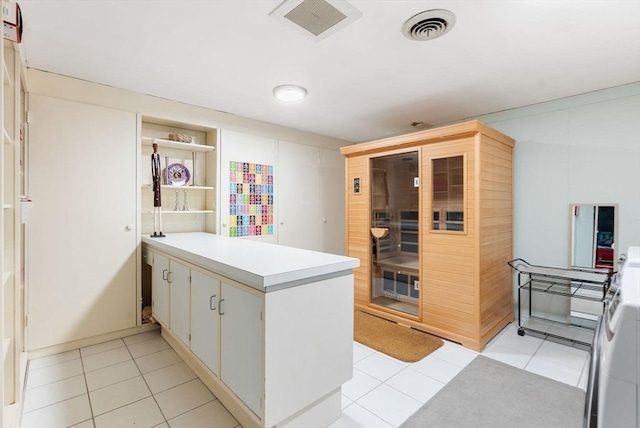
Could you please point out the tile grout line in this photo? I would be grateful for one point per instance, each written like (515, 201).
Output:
(164, 367)
(120, 362)
(154, 394)
(86, 385)
(402, 392)
(56, 363)
(368, 411)
(56, 402)
(81, 358)
(54, 381)
(145, 382)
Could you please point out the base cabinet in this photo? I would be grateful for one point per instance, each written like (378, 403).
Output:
(219, 322)
(171, 295)
(227, 335)
(242, 344)
(205, 319)
(179, 301)
(160, 289)
(270, 357)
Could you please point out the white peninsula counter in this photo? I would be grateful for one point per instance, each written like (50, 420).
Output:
(268, 328)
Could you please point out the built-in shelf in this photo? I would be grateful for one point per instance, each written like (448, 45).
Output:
(7, 206)
(168, 186)
(176, 145)
(184, 212)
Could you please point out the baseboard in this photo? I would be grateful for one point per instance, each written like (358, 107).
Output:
(94, 340)
(10, 415)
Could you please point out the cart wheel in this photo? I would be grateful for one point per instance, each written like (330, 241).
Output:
(520, 332)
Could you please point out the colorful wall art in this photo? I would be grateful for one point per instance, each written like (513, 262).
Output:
(250, 199)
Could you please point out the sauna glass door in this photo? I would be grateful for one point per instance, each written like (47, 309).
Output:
(395, 282)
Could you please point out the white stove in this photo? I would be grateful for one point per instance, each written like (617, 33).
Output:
(613, 396)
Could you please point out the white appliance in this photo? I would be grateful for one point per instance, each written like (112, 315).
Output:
(613, 396)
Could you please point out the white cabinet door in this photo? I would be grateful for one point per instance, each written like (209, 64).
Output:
(332, 166)
(242, 366)
(299, 200)
(180, 300)
(205, 320)
(82, 236)
(160, 289)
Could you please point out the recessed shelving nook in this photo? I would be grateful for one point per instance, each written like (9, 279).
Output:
(188, 204)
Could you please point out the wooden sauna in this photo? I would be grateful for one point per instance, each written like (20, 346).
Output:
(430, 216)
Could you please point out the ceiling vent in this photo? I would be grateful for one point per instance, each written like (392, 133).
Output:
(429, 25)
(316, 18)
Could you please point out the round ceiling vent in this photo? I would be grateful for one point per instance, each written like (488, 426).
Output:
(429, 25)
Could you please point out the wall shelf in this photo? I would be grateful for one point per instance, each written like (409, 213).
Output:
(168, 186)
(183, 212)
(176, 145)
(198, 159)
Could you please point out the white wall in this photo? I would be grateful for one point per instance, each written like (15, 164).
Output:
(583, 149)
(58, 86)
(236, 146)
(260, 146)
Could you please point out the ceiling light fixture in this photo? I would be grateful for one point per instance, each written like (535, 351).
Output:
(289, 93)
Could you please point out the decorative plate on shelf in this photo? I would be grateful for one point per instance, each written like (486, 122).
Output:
(178, 174)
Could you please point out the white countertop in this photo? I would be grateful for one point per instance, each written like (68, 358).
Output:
(266, 267)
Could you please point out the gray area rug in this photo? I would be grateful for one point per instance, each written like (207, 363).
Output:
(491, 394)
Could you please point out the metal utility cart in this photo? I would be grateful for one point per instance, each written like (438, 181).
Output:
(578, 283)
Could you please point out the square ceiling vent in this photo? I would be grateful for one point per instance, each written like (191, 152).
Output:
(317, 19)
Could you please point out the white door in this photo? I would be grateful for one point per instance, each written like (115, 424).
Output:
(300, 210)
(241, 345)
(205, 335)
(332, 165)
(160, 289)
(180, 300)
(82, 236)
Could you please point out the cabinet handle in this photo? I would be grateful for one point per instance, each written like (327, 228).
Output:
(211, 303)
(220, 306)
(164, 274)
(169, 277)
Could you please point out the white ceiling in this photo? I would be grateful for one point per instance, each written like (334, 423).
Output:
(366, 81)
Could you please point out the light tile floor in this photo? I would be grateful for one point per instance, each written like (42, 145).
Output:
(136, 381)
(140, 381)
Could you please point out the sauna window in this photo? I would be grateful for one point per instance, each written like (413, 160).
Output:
(394, 196)
(447, 194)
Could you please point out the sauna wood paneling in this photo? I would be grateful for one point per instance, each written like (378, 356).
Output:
(465, 286)
(496, 234)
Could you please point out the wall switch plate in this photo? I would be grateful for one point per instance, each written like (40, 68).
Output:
(416, 285)
(416, 181)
